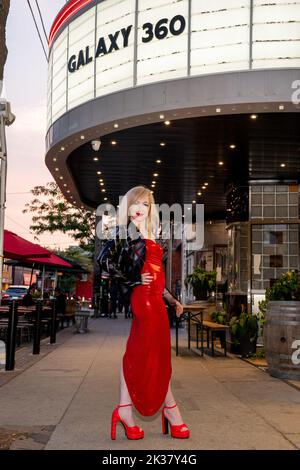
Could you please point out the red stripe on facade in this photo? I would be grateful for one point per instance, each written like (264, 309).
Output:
(64, 15)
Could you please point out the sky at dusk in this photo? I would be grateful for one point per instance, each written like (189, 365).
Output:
(25, 87)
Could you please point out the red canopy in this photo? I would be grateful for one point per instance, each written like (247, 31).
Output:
(53, 260)
(18, 248)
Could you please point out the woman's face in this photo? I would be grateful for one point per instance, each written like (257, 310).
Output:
(139, 210)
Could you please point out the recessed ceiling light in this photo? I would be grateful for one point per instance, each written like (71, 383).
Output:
(103, 190)
(153, 182)
(167, 123)
(105, 199)
(253, 116)
(205, 184)
(113, 142)
(82, 137)
(62, 148)
(101, 184)
(221, 163)
(282, 165)
(218, 110)
(158, 161)
(161, 116)
(194, 202)
(95, 159)
(54, 159)
(189, 208)
(162, 144)
(100, 179)
(99, 173)
(116, 125)
(68, 191)
(56, 169)
(151, 192)
(203, 187)
(232, 146)
(281, 107)
(155, 174)
(199, 193)
(65, 185)
(61, 177)
(71, 197)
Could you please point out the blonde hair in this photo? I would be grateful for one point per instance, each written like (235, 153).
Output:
(135, 193)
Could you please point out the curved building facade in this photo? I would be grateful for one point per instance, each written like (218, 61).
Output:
(124, 63)
(196, 99)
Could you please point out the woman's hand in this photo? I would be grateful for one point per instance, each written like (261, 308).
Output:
(147, 278)
(179, 309)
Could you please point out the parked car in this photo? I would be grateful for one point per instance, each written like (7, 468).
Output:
(14, 293)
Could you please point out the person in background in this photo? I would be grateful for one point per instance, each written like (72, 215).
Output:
(60, 304)
(178, 288)
(46, 299)
(113, 291)
(27, 300)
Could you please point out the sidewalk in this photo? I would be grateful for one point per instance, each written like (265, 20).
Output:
(65, 400)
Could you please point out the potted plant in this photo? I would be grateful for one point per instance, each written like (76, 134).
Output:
(202, 282)
(282, 325)
(244, 332)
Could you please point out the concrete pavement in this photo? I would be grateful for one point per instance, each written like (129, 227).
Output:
(65, 400)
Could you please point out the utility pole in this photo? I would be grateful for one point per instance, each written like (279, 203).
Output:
(6, 119)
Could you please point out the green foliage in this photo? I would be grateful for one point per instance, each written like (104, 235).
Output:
(258, 355)
(78, 255)
(285, 288)
(74, 254)
(202, 282)
(53, 213)
(218, 317)
(246, 325)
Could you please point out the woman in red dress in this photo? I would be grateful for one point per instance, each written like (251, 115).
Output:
(146, 366)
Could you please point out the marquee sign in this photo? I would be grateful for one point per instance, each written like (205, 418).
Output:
(119, 39)
(110, 46)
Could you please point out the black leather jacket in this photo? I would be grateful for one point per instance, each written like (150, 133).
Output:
(123, 258)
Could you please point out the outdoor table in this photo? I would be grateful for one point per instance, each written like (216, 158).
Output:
(82, 318)
(190, 312)
(211, 327)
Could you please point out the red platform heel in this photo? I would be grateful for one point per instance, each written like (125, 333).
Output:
(132, 432)
(176, 429)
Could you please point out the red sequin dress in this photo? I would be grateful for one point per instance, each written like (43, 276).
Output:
(147, 360)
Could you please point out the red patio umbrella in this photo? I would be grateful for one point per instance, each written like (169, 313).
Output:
(16, 247)
(52, 260)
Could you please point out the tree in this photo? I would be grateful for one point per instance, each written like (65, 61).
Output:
(4, 9)
(74, 254)
(78, 255)
(52, 213)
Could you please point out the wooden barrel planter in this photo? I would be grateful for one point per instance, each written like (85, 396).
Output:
(281, 331)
